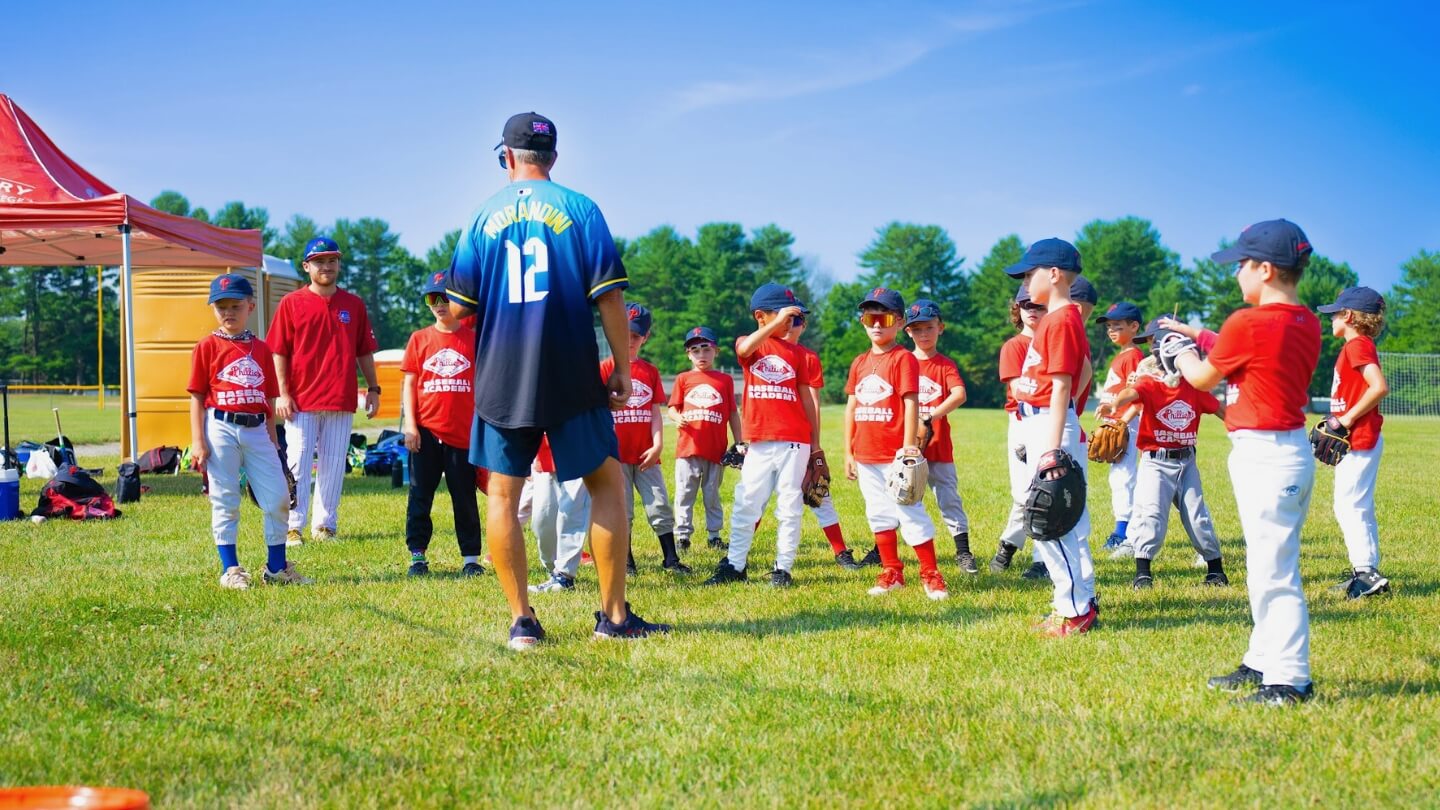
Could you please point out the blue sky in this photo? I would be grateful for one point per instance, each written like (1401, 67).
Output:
(829, 119)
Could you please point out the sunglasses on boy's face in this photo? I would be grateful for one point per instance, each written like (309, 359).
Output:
(798, 320)
(883, 320)
(433, 299)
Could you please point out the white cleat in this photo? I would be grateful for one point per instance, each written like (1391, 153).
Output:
(235, 578)
(287, 576)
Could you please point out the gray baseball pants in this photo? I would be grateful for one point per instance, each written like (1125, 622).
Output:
(1159, 483)
(695, 477)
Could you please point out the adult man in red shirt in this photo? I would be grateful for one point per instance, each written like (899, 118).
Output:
(320, 332)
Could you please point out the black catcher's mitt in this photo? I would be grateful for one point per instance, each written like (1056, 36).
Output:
(1056, 499)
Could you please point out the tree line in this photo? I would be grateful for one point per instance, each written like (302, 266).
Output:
(47, 314)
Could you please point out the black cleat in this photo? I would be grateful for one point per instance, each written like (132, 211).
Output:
(419, 567)
(471, 570)
(967, 563)
(780, 578)
(1366, 583)
(1143, 582)
(872, 557)
(1216, 579)
(846, 560)
(1279, 695)
(1037, 570)
(717, 544)
(724, 573)
(677, 567)
(1001, 562)
(1242, 678)
(632, 627)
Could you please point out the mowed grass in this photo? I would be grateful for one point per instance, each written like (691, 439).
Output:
(124, 663)
(31, 418)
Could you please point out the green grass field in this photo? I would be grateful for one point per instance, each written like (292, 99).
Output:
(32, 419)
(124, 663)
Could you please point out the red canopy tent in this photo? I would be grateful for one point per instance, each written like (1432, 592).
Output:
(53, 212)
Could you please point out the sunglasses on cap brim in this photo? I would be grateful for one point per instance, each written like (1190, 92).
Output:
(884, 320)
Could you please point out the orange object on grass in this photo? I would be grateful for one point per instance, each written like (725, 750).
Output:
(73, 798)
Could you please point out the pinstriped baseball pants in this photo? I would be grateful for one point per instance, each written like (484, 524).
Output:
(325, 436)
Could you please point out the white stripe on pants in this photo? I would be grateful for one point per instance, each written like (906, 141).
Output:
(1159, 484)
(1355, 504)
(945, 486)
(650, 483)
(1122, 477)
(233, 448)
(1068, 560)
(777, 467)
(1273, 473)
(694, 477)
(324, 435)
(560, 519)
(884, 514)
(1014, 533)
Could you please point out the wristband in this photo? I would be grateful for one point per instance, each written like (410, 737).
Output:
(374, 389)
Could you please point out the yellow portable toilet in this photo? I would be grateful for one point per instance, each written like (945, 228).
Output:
(280, 279)
(391, 378)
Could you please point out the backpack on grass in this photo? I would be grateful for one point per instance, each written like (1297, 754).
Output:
(73, 494)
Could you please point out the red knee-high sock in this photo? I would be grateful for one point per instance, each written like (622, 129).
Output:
(889, 546)
(837, 540)
(926, 552)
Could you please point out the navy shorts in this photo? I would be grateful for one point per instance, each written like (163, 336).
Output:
(580, 445)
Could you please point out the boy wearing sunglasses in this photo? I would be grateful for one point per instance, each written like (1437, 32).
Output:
(702, 403)
(882, 420)
(438, 399)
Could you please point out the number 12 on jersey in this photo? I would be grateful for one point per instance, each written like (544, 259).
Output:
(522, 281)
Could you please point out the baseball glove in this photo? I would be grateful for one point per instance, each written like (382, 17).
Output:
(1056, 500)
(927, 432)
(1167, 347)
(816, 485)
(735, 456)
(1110, 441)
(906, 478)
(1330, 440)
(289, 481)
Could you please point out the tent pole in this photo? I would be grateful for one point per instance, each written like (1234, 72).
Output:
(130, 410)
(100, 335)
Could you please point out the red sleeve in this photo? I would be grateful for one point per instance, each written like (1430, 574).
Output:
(1205, 341)
(607, 367)
(1145, 387)
(746, 360)
(1012, 355)
(200, 369)
(410, 363)
(850, 380)
(814, 374)
(278, 335)
(734, 398)
(952, 379)
(659, 386)
(677, 397)
(1234, 348)
(1206, 402)
(908, 378)
(1064, 354)
(1363, 354)
(365, 342)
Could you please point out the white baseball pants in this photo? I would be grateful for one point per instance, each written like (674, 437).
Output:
(233, 448)
(1355, 504)
(945, 486)
(1014, 533)
(324, 436)
(697, 477)
(1068, 560)
(825, 513)
(777, 467)
(884, 514)
(1273, 473)
(560, 519)
(1122, 477)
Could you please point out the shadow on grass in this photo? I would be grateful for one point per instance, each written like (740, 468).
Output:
(410, 624)
(1360, 691)
(812, 621)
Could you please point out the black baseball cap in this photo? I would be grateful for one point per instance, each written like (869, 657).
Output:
(922, 310)
(1121, 311)
(1360, 299)
(1047, 253)
(1278, 241)
(531, 131)
(700, 334)
(885, 297)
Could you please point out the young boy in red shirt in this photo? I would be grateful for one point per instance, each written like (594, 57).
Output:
(438, 404)
(1054, 371)
(232, 428)
(1266, 354)
(702, 403)
(780, 427)
(1357, 316)
(882, 418)
(1025, 315)
(1122, 324)
(941, 391)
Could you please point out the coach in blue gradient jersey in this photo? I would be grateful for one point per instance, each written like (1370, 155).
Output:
(533, 262)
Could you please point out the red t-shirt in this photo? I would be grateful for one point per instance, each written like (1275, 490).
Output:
(705, 400)
(544, 459)
(938, 375)
(1350, 386)
(812, 372)
(234, 376)
(1122, 365)
(1012, 360)
(1171, 416)
(443, 364)
(879, 383)
(1059, 347)
(632, 422)
(321, 338)
(1267, 355)
(773, 376)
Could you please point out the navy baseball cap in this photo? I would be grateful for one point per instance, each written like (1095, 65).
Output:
(1151, 330)
(321, 246)
(1022, 295)
(230, 285)
(885, 297)
(531, 131)
(1083, 292)
(434, 283)
(774, 297)
(1360, 299)
(922, 309)
(1277, 241)
(639, 317)
(1121, 311)
(1047, 253)
(700, 334)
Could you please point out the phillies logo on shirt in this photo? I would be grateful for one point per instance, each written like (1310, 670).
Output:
(703, 396)
(773, 370)
(1178, 415)
(244, 372)
(929, 390)
(870, 391)
(636, 410)
(343, 315)
(447, 363)
(640, 395)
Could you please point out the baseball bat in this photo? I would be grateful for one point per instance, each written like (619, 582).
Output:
(59, 436)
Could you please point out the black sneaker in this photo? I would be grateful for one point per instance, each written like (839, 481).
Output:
(846, 560)
(1037, 570)
(724, 572)
(1143, 582)
(872, 557)
(717, 544)
(677, 567)
(1279, 695)
(1216, 579)
(780, 578)
(1366, 583)
(525, 633)
(632, 627)
(1001, 562)
(1242, 678)
(683, 543)
(967, 563)
(419, 566)
(471, 570)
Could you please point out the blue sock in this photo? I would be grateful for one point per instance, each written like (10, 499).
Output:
(275, 558)
(229, 558)
(1121, 527)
